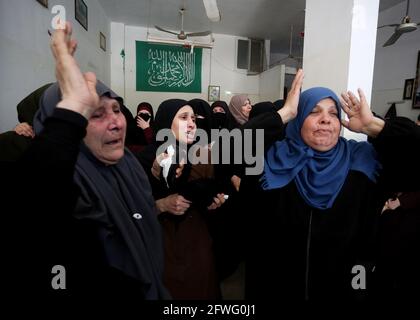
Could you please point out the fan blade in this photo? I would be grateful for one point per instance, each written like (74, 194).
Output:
(393, 38)
(390, 25)
(199, 34)
(164, 30)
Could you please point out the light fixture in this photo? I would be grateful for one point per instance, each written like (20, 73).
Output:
(212, 10)
(184, 43)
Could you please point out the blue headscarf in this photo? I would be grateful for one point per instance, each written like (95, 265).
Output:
(319, 176)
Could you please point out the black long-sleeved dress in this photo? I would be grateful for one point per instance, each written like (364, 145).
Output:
(303, 253)
(40, 230)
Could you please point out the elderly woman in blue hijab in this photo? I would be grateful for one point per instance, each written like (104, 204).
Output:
(103, 223)
(320, 196)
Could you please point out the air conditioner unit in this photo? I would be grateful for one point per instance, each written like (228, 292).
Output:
(250, 55)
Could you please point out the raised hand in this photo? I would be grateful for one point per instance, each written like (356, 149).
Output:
(290, 108)
(156, 168)
(361, 118)
(78, 90)
(143, 124)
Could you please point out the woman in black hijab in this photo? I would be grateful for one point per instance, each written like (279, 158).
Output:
(14, 143)
(183, 204)
(113, 236)
(143, 134)
(203, 116)
(221, 117)
(143, 109)
(265, 106)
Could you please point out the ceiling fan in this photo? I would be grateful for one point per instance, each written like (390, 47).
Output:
(400, 28)
(182, 35)
(290, 55)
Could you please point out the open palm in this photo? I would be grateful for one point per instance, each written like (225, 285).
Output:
(358, 111)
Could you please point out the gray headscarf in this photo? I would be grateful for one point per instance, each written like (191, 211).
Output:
(118, 199)
(235, 106)
(52, 96)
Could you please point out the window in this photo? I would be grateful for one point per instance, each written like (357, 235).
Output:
(250, 55)
(242, 57)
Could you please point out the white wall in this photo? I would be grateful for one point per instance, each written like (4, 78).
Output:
(25, 59)
(272, 83)
(395, 63)
(218, 68)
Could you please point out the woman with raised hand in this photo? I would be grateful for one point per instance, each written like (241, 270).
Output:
(321, 195)
(143, 134)
(98, 221)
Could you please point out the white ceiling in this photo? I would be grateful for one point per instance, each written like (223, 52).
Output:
(268, 19)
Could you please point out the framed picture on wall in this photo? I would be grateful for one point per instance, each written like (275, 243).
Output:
(416, 85)
(408, 89)
(43, 2)
(81, 13)
(214, 93)
(102, 41)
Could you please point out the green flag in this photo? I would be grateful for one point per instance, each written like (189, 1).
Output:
(167, 68)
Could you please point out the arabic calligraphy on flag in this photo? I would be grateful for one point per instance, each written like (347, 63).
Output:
(167, 68)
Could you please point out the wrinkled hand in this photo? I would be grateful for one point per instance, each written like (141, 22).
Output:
(78, 90)
(358, 111)
(175, 204)
(24, 129)
(141, 123)
(218, 201)
(361, 118)
(290, 108)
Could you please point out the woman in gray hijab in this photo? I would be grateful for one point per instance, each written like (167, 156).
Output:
(240, 107)
(115, 240)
